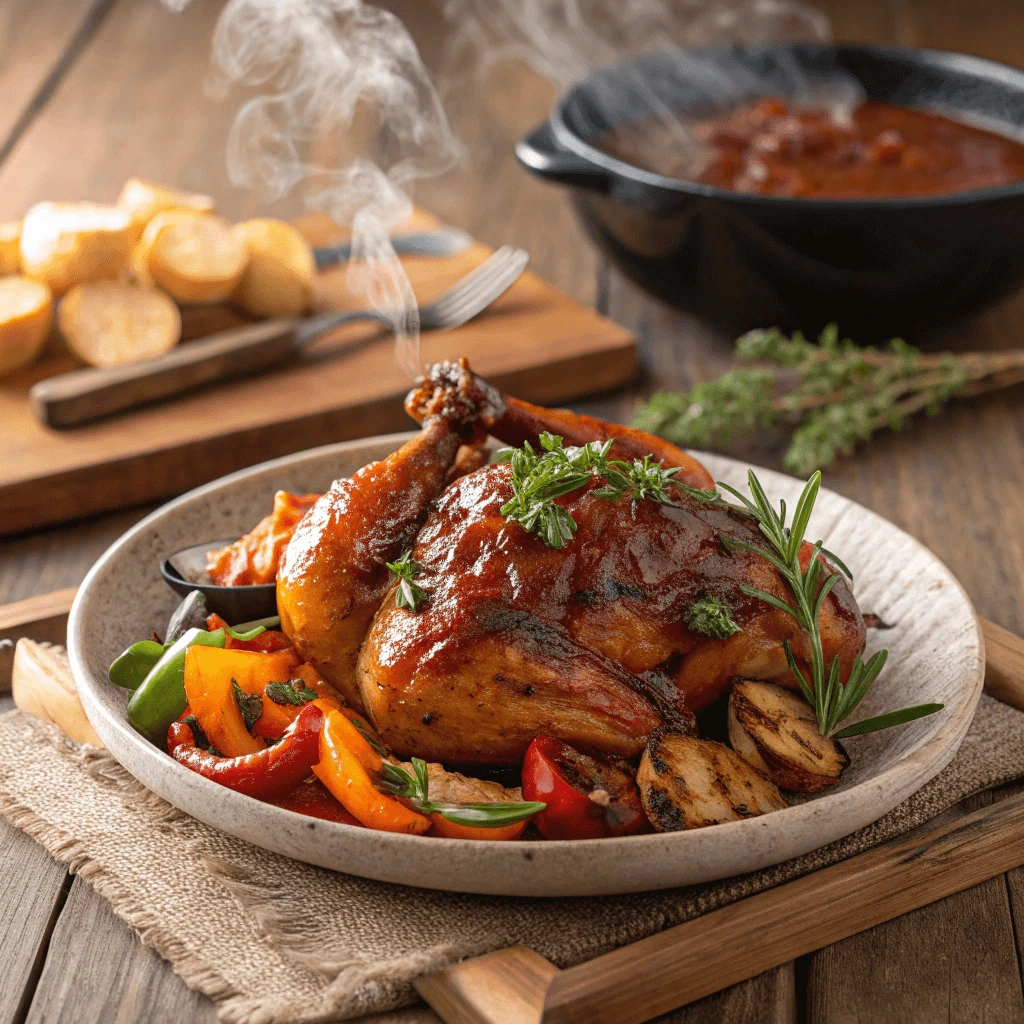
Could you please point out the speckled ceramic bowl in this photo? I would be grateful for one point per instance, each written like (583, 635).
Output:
(936, 654)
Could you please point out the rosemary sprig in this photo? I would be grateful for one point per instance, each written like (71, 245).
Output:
(415, 786)
(831, 700)
(844, 393)
(408, 595)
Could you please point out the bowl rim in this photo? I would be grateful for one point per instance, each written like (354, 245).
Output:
(115, 731)
(938, 60)
(171, 576)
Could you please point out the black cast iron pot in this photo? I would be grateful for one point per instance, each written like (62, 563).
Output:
(877, 266)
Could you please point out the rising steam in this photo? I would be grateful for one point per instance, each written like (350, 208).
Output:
(345, 114)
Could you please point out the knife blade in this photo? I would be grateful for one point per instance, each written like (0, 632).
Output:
(446, 242)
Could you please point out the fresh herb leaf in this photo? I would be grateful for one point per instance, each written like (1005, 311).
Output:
(199, 737)
(414, 786)
(250, 704)
(843, 394)
(831, 700)
(294, 692)
(408, 595)
(711, 617)
(361, 729)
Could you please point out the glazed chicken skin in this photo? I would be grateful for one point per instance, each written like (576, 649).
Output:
(517, 639)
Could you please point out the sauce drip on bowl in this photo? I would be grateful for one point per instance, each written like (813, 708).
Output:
(771, 148)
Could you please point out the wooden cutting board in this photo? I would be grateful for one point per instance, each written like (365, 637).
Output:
(534, 342)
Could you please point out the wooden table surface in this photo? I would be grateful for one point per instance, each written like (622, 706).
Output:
(95, 91)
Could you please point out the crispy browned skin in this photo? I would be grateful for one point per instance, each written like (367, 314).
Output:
(514, 421)
(518, 639)
(333, 574)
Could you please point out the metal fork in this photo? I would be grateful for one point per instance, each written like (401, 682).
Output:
(452, 308)
(83, 395)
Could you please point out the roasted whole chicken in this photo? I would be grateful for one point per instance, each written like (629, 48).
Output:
(515, 638)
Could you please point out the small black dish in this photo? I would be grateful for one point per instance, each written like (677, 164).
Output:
(878, 267)
(185, 571)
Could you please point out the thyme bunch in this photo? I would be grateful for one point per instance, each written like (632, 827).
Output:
(409, 594)
(843, 393)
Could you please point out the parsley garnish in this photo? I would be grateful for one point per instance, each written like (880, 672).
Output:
(408, 595)
(537, 480)
(250, 704)
(711, 617)
(293, 692)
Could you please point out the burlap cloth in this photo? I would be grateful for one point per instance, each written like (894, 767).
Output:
(272, 941)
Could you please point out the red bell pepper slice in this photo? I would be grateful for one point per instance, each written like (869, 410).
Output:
(265, 775)
(586, 798)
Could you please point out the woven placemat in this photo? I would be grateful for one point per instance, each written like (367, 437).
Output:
(273, 941)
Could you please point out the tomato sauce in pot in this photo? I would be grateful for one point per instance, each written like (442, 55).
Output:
(774, 149)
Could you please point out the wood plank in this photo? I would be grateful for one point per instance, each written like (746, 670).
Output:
(730, 944)
(770, 998)
(39, 40)
(97, 970)
(954, 960)
(44, 617)
(33, 887)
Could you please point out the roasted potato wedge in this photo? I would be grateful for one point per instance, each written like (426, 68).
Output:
(10, 247)
(144, 200)
(194, 257)
(26, 315)
(687, 782)
(775, 731)
(278, 279)
(64, 244)
(107, 323)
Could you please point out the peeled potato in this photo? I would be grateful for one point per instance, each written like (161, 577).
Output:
(10, 247)
(108, 323)
(26, 314)
(64, 244)
(775, 731)
(279, 276)
(194, 257)
(144, 200)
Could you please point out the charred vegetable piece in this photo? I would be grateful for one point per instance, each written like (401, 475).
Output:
(349, 767)
(775, 731)
(691, 783)
(586, 798)
(223, 687)
(190, 614)
(314, 799)
(269, 773)
(160, 698)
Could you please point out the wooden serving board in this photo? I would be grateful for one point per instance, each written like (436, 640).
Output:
(535, 342)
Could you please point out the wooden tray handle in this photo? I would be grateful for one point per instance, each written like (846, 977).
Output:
(1004, 664)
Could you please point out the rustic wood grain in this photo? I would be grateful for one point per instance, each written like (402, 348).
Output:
(96, 970)
(953, 961)
(921, 478)
(39, 40)
(32, 891)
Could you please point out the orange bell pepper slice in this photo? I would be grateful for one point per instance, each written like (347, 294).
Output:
(445, 829)
(209, 674)
(348, 768)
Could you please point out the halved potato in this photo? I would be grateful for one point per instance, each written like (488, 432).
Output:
(26, 315)
(279, 277)
(195, 257)
(10, 247)
(686, 783)
(775, 731)
(145, 199)
(64, 244)
(107, 323)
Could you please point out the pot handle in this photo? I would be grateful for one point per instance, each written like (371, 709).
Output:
(540, 153)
